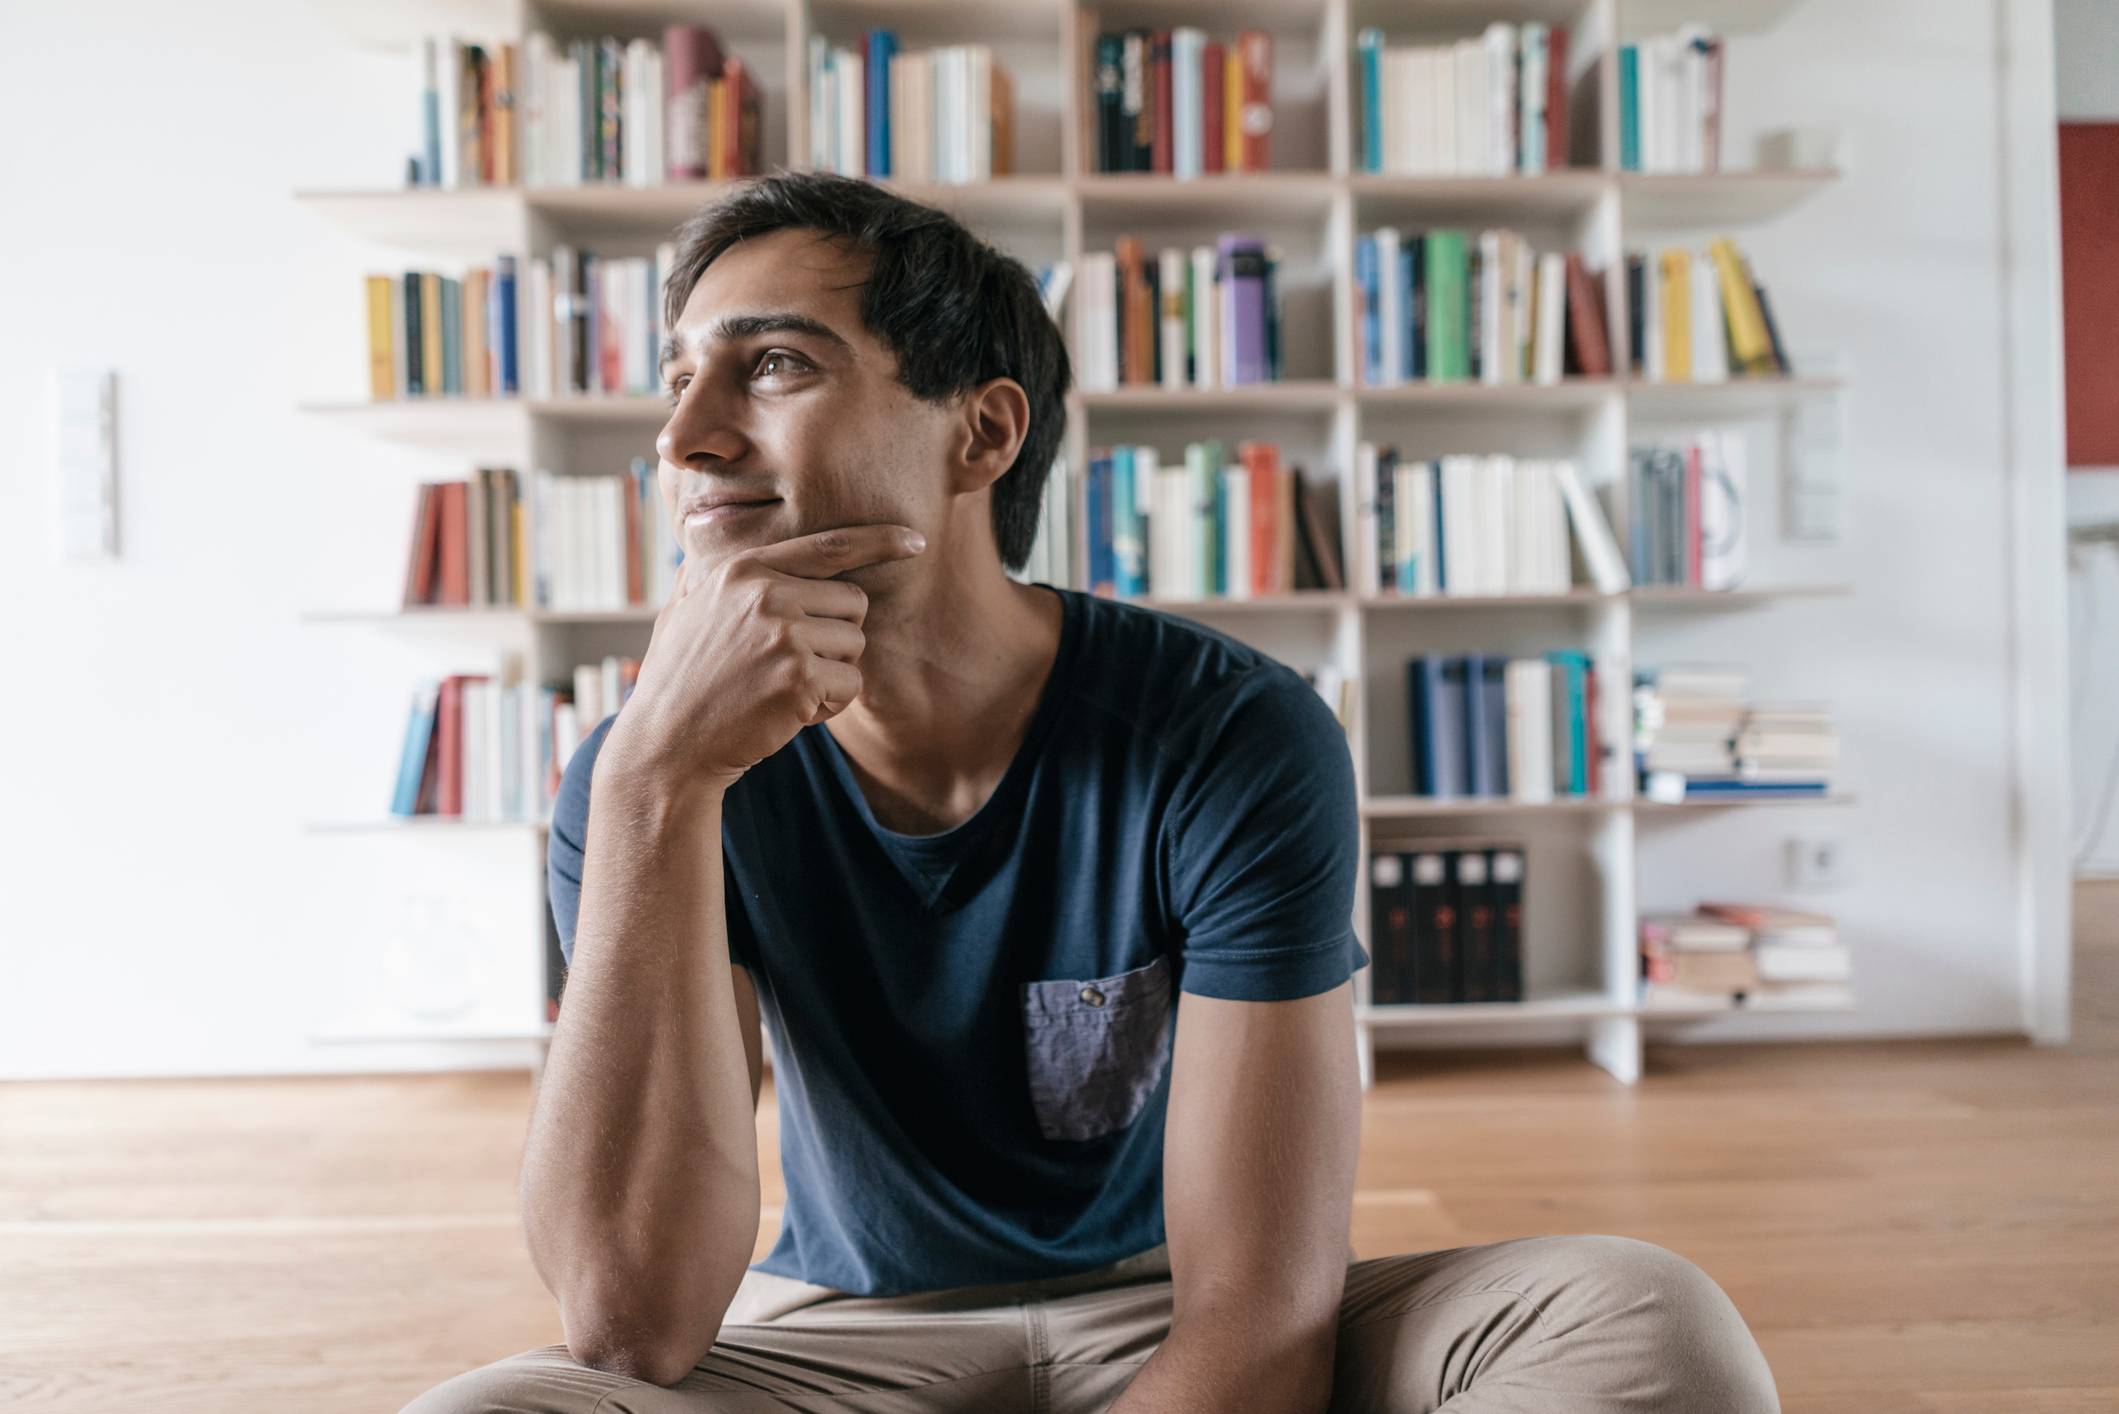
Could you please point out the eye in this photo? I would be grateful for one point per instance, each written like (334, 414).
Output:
(789, 362)
(676, 387)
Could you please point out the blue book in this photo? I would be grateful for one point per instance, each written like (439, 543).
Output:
(882, 43)
(1103, 569)
(503, 328)
(1412, 300)
(1735, 787)
(1387, 518)
(1629, 108)
(1441, 560)
(1129, 538)
(1441, 766)
(1486, 724)
(1573, 751)
(1371, 323)
(1369, 45)
(412, 764)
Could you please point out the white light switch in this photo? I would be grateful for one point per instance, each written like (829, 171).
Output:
(85, 453)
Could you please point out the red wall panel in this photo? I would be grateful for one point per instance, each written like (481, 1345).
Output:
(2089, 282)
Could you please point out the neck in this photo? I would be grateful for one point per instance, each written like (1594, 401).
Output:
(956, 662)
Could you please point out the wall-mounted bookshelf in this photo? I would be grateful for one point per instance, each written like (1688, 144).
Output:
(1584, 900)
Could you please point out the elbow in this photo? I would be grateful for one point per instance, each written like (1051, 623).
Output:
(611, 1327)
(659, 1362)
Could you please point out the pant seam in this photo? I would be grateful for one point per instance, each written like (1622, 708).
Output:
(1537, 1313)
(1040, 1379)
(601, 1399)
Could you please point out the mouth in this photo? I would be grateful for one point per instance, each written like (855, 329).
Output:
(724, 513)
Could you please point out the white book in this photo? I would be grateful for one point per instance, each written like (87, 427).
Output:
(1722, 519)
(1363, 566)
(1469, 84)
(1236, 549)
(448, 78)
(1526, 686)
(614, 493)
(1524, 268)
(588, 696)
(823, 123)
(1390, 315)
(1421, 137)
(978, 131)
(1779, 962)
(1592, 533)
(1187, 145)
(1552, 309)
(1493, 312)
(471, 750)
(568, 124)
(1442, 66)
(1559, 571)
(1670, 103)
(1391, 72)
(582, 494)
(1691, 100)
(1094, 314)
(531, 123)
(1459, 531)
(1648, 103)
(1170, 269)
(1497, 517)
(1500, 45)
(1420, 512)
(529, 760)
(1530, 151)
(1653, 364)
(1206, 370)
(1710, 336)
(496, 775)
(1169, 525)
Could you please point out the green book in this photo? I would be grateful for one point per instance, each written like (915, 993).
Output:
(452, 335)
(1449, 355)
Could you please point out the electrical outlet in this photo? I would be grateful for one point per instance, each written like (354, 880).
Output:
(1817, 862)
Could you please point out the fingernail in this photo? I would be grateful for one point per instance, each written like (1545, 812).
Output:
(915, 542)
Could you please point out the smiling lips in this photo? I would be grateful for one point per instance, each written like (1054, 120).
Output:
(705, 512)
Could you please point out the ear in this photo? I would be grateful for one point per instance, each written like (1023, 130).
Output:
(995, 420)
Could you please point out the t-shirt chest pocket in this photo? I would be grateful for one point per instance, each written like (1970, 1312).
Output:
(1097, 1048)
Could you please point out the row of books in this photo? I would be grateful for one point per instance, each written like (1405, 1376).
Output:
(1742, 954)
(1207, 318)
(1670, 103)
(931, 115)
(1493, 727)
(1051, 558)
(1695, 737)
(486, 746)
(577, 322)
(1687, 512)
(1446, 924)
(562, 113)
(573, 543)
(1699, 317)
(1484, 106)
(1449, 305)
(1476, 524)
(1181, 103)
(1209, 525)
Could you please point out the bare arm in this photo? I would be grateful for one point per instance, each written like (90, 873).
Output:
(1258, 1190)
(640, 1176)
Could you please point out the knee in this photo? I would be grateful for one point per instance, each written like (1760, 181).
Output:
(1687, 1333)
(543, 1381)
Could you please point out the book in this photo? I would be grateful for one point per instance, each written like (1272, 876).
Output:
(1487, 105)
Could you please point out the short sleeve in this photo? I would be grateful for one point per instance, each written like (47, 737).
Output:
(1263, 840)
(568, 844)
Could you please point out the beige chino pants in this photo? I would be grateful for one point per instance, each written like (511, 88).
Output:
(1543, 1325)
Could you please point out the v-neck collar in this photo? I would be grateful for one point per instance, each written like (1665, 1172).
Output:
(931, 863)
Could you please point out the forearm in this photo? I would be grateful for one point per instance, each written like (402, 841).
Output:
(1229, 1355)
(640, 1175)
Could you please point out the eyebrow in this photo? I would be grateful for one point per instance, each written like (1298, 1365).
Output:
(744, 326)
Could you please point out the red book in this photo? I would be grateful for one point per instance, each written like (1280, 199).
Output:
(693, 57)
(1556, 98)
(1213, 73)
(449, 745)
(1692, 514)
(735, 82)
(1257, 109)
(1159, 95)
(1586, 332)
(455, 545)
(1262, 461)
(604, 290)
(426, 529)
(1591, 751)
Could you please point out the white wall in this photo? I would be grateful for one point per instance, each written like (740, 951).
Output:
(172, 722)
(2086, 58)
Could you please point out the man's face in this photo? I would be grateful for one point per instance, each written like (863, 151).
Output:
(785, 402)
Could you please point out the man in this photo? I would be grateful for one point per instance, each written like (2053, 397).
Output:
(1046, 901)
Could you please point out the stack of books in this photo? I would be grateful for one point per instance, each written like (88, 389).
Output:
(1476, 525)
(1699, 317)
(1204, 318)
(1696, 739)
(1207, 525)
(1446, 924)
(1736, 954)
(1177, 102)
(1487, 106)
(1485, 726)
(563, 113)
(470, 543)
(1670, 103)
(932, 115)
(435, 335)
(1449, 306)
(1687, 511)
(602, 542)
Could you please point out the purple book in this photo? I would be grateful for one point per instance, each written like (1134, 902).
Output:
(1242, 262)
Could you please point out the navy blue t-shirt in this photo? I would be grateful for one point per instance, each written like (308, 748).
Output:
(972, 1030)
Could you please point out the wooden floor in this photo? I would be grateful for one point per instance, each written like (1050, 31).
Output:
(1909, 1227)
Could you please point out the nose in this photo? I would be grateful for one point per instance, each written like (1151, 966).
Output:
(701, 430)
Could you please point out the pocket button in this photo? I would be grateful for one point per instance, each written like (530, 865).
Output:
(1092, 996)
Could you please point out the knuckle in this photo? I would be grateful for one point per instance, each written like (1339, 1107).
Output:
(835, 543)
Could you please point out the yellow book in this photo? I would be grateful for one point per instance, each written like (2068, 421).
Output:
(430, 332)
(474, 334)
(1232, 109)
(1747, 322)
(1676, 297)
(519, 543)
(382, 352)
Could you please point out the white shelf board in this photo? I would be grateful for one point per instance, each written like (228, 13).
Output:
(1531, 1009)
(1840, 999)
(1421, 807)
(454, 415)
(1214, 196)
(1299, 601)
(1735, 397)
(1297, 395)
(386, 1030)
(1431, 603)
(1653, 201)
(1568, 393)
(1671, 596)
(1648, 17)
(1536, 194)
(421, 824)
